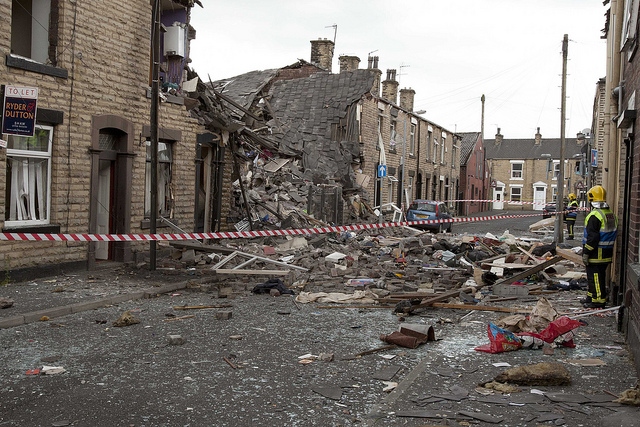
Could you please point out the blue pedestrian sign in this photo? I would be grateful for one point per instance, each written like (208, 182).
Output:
(382, 171)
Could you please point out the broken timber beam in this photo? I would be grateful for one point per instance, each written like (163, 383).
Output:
(528, 272)
(481, 307)
(446, 295)
(570, 256)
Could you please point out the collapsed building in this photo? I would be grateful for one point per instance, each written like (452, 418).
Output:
(307, 143)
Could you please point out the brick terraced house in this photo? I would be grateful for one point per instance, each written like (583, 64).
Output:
(86, 167)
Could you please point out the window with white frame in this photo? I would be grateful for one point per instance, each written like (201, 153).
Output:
(442, 149)
(515, 193)
(554, 193)
(30, 29)
(29, 178)
(556, 169)
(410, 189)
(436, 146)
(391, 187)
(429, 142)
(165, 186)
(392, 132)
(454, 153)
(517, 169)
(412, 139)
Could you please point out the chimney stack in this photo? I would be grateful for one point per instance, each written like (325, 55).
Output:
(322, 53)
(373, 64)
(348, 63)
(390, 87)
(406, 98)
(499, 137)
(538, 137)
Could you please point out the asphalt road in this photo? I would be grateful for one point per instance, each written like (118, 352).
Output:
(202, 367)
(516, 223)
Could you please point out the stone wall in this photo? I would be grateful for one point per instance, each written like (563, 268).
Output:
(106, 54)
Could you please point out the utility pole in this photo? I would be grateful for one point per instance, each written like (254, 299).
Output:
(155, 58)
(559, 232)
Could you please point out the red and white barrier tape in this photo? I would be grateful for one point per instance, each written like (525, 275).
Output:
(82, 237)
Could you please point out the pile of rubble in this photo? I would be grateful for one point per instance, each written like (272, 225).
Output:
(402, 267)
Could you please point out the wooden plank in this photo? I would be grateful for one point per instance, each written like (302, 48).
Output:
(530, 255)
(201, 248)
(252, 272)
(529, 272)
(481, 307)
(507, 265)
(570, 255)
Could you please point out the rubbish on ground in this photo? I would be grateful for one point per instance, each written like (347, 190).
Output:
(44, 319)
(410, 336)
(200, 307)
(539, 374)
(501, 365)
(387, 374)
(500, 340)
(329, 392)
(230, 363)
(629, 397)
(559, 328)
(35, 371)
(126, 319)
(189, 316)
(364, 297)
(501, 387)
(274, 283)
(586, 362)
(224, 315)
(480, 307)
(52, 370)
(389, 385)
(372, 351)
(176, 340)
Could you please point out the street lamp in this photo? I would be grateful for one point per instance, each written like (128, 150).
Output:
(404, 154)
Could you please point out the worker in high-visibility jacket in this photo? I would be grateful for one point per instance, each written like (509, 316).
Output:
(600, 231)
(571, 214)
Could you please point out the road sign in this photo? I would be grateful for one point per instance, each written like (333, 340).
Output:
(382, 171)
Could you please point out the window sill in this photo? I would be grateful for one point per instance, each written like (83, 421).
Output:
(42, 229)
(21, 63)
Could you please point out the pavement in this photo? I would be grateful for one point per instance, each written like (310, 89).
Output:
(201, 356)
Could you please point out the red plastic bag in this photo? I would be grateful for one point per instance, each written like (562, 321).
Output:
(558, 328)
(500, 340)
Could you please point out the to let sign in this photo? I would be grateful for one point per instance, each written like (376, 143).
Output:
(19, 110)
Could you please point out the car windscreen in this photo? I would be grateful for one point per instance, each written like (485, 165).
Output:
(427, 207)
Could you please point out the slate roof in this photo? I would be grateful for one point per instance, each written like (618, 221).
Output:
(524, 149)
(244, 88)
(467, 144)
(306, 108)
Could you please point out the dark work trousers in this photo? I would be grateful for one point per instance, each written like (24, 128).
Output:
(596, 280)
(570, 223)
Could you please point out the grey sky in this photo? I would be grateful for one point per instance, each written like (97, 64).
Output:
(450, 52)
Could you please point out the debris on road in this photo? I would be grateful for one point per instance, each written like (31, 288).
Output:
(126, 319)
(539, 374)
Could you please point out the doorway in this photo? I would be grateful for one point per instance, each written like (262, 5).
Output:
(539, 195)
(104, 224)
(498, 196)
(111, 187)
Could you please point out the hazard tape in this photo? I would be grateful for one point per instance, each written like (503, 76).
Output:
(509, 202)
(82, 237)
